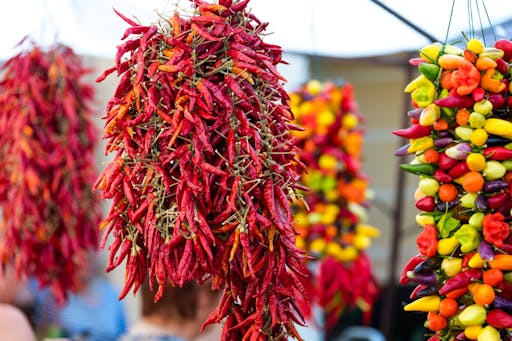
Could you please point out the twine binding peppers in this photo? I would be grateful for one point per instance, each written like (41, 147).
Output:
(204, 167)
(47, 139)
(332, 224)
(464, 196)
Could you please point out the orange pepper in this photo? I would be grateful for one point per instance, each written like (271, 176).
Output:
(484, 63)
(446, 79)
(492, 81)
(450, 61)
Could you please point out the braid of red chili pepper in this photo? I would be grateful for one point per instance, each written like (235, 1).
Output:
(205, 167)
(50, 215)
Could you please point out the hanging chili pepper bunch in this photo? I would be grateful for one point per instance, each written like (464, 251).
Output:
(204, 167)
(333, 221)
(461, 138)
(49, 213)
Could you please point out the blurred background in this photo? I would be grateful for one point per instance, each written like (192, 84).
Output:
(367, 43)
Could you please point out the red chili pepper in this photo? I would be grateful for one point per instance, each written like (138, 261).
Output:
(441, 176)
(50, 216)
(498, 153)
(460, 280)
(495, 229)
(445, 162)
(413, 132)
(426, 203)
(454, 100)
(499, 319)
(427, 241)
(458, 170)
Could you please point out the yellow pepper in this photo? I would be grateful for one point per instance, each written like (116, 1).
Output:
(489, 333)
(446, 246)
(425, 304)
(476, 262)
(430, 115)
(423, 91)
(499, 127)
(421, 144)
(473, 315)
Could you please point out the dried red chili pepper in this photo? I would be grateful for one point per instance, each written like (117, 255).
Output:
(50, 215)
(203, 147)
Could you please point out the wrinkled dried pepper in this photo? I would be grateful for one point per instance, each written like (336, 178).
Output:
(205, 167)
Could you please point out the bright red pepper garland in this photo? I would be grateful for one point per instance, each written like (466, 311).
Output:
(204, 168)
(50, 215)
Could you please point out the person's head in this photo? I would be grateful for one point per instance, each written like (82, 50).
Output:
(190, 303)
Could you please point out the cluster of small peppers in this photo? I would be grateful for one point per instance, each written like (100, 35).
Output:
(461, 136)
(47, 139)
(332, 220)
(205, 167)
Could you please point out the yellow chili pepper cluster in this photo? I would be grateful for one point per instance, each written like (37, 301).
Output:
(461, 137)
(333, 226)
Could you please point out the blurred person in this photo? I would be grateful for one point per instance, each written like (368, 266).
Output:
(177, 316)
(92, 313)
(14, 324)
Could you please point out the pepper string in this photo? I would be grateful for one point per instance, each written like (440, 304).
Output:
(333, 220)
(460, 136)
(205, 167)
(49, 213)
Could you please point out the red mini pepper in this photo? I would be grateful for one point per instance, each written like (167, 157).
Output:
(495, 229)
(458, 170)
(499, 319)
(427, 241)
(498, 153)
(461, 280)
(454, 100)
(413, 132)
(411, 264)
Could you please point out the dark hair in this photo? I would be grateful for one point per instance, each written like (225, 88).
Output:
(176, 302)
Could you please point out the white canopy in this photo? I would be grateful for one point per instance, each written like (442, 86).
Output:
(340, 28)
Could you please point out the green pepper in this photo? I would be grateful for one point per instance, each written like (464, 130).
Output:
(449, 112)
(419, 169)
(468, 237)
(430, 71)
(447, 224)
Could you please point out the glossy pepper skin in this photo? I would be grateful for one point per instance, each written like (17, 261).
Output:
(468, 196)
(499, 319)
(461, 280)
(413, 132)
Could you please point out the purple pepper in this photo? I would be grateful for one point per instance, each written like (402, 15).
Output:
(494, 186)
(481, 203)
(485, 251)
(443, 142)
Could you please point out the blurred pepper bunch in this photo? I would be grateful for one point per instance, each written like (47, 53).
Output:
(461, 137)
(47, 137)
(333, 221)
